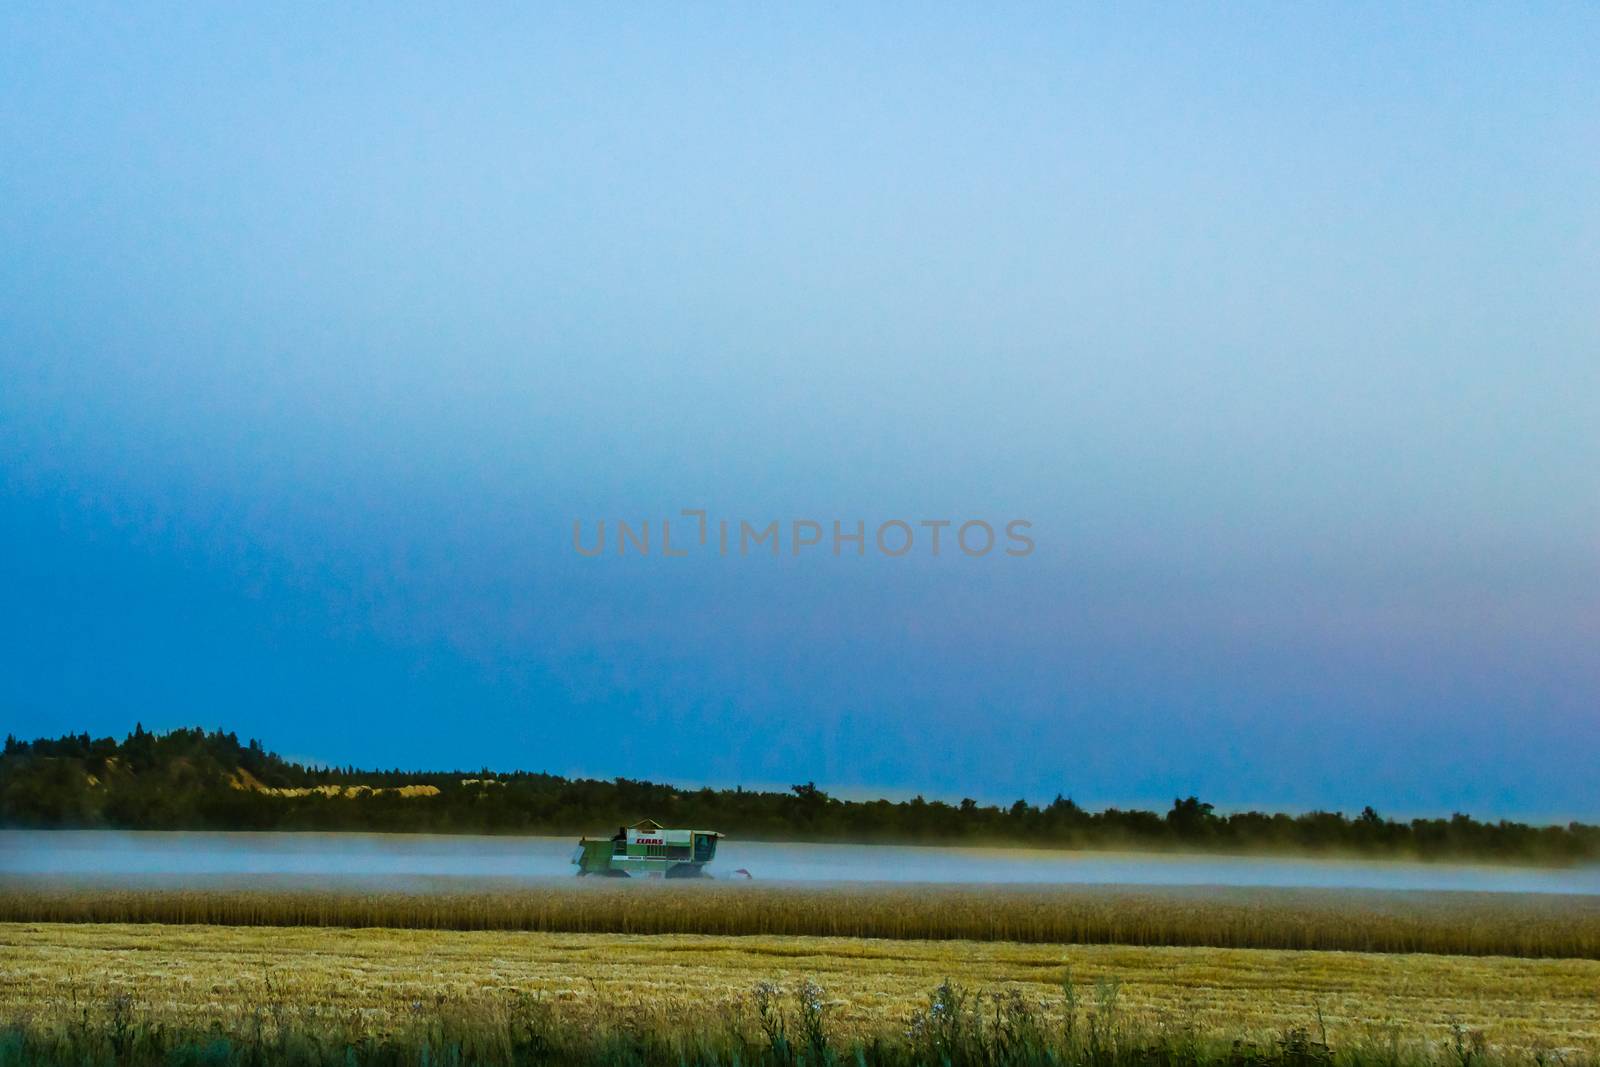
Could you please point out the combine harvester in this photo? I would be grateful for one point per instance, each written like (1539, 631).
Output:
(647, 849)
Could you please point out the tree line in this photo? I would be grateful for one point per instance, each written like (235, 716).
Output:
(191, 779)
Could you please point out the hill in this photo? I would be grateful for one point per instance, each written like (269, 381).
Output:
(192, 779)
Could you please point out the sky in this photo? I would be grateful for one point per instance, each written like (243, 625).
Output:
(321, 328)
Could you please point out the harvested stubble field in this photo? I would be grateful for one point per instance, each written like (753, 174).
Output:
(1473, 924)
(369, 981)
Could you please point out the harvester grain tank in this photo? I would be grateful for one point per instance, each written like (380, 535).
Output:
(647, 849)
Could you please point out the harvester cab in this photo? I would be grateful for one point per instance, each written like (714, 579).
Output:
(647, 849)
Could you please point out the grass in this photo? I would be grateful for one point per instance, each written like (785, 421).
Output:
(1473, 924)
(957, 1028)
(355, 986)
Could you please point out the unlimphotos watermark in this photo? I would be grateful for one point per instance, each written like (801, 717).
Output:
(701, 535)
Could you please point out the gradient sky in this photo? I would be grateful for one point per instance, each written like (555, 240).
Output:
(320, 327)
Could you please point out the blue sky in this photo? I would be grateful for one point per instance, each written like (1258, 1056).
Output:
(318, 329)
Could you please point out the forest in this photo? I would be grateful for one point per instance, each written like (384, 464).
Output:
(193, 779)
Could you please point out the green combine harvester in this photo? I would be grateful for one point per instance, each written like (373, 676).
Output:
(647, 849)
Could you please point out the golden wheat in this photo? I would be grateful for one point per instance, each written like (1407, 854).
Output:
(374, 980)
(1451, 923)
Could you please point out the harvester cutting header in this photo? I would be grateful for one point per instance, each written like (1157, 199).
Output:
(647, 849)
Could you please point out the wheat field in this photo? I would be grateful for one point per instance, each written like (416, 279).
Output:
(371, 980)
(1530, 925)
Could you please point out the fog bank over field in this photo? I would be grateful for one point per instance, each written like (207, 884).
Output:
(420, 861)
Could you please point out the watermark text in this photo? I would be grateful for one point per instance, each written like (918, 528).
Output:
(695, 532)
